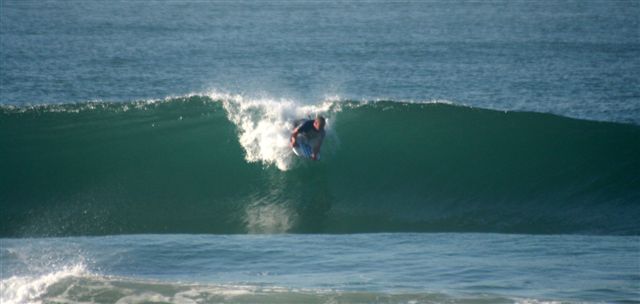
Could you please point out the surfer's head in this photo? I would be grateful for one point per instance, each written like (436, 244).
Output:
(319, 122)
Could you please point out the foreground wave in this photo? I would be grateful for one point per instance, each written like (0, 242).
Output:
(220, 164)
(321, 268)
(65, 286)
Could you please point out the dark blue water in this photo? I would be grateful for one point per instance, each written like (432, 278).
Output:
(123, 123)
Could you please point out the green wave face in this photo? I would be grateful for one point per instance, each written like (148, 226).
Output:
(211, 164)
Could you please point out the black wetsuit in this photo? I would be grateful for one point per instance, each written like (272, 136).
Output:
(308, 131)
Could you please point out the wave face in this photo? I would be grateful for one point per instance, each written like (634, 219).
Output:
(220, 164)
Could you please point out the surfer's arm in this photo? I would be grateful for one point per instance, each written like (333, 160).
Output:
(294, 135)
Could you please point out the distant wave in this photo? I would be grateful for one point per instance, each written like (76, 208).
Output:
(220, 163)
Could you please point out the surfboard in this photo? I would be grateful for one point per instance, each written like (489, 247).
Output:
(303, 149)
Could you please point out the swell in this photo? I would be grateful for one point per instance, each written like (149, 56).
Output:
(182, 166)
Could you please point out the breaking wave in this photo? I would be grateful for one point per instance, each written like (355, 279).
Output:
(220, 163)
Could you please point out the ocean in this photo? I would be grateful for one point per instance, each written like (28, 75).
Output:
(476, 152)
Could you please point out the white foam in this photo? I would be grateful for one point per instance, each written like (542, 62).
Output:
(29, 289)
(535, 301)
(184, 294)
(265, 124)
(151, 297)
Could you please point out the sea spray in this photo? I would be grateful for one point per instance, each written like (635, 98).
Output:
(31, 288)
(264, 125)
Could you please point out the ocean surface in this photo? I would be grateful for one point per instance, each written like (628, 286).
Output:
(476, 152)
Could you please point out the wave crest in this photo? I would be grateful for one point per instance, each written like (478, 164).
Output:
(264, 125)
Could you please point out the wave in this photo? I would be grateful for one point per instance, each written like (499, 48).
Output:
(220, 163)
(74, 285)
(31, 289)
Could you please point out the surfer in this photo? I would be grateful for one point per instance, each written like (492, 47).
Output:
(313, 131)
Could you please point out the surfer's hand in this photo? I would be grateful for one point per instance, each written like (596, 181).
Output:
(313, 156)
